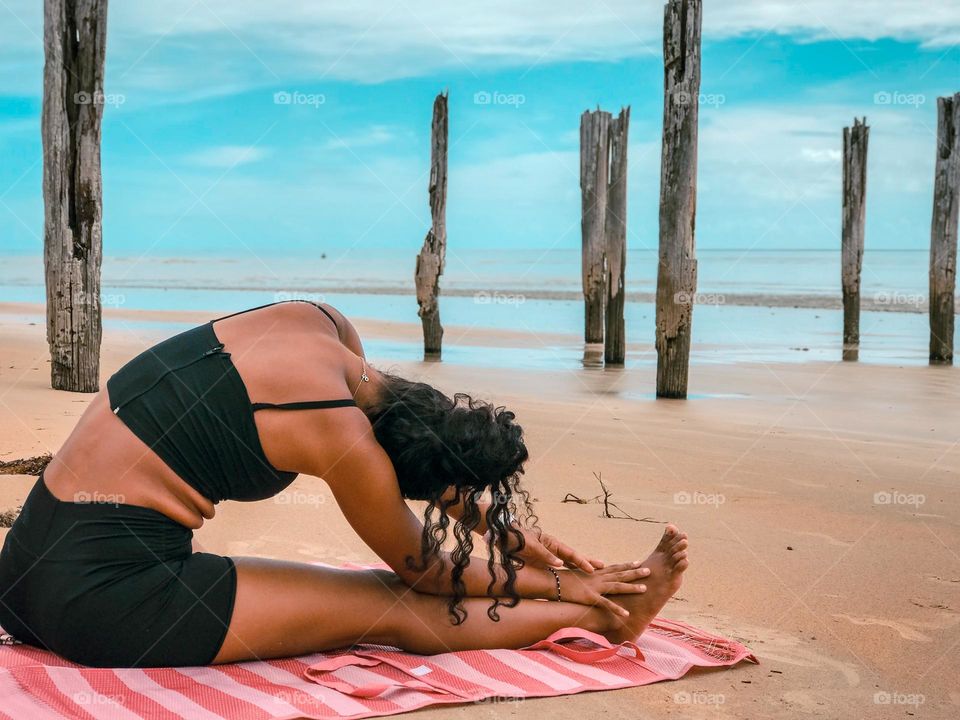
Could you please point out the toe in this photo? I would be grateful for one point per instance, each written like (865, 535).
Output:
(669, 537)
(681, 566)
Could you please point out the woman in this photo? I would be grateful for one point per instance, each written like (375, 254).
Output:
(99, 566)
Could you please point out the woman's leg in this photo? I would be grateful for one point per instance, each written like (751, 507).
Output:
(284, 609)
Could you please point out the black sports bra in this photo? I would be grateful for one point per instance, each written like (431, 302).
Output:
(186, 401)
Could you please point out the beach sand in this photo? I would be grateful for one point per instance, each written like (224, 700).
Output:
(821, 500)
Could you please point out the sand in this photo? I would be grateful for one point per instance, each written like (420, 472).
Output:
(821, 500)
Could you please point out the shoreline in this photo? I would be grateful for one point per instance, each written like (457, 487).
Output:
(872, 302)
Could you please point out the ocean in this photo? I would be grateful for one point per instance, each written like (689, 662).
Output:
(752, 305)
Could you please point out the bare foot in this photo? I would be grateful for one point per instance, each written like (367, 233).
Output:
(667, 563)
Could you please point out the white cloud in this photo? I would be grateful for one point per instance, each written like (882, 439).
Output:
(226, 156)
(252, 43)
(820, 156)
(372, 136)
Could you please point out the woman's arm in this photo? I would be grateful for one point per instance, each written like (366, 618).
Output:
(366, 489)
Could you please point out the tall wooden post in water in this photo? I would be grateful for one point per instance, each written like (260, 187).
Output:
(852, 234)
(677, 271)
(615, 232)
(74, 44)
(943, 230)
(432, 256)
(594, 172)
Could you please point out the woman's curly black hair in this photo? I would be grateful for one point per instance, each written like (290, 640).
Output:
(447, 451)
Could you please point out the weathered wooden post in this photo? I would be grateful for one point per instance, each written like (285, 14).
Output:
(614, 341)
(594, 172)
(74, 43)
(431, 259)
(852, 234)
(677, 271)
(943, 230)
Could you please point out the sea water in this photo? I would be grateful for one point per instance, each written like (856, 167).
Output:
(752, 305)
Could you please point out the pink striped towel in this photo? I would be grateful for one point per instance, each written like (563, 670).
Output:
(366, 681)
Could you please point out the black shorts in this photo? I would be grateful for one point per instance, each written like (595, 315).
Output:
(112, 585)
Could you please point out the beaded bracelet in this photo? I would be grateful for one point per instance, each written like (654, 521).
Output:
(556, 577)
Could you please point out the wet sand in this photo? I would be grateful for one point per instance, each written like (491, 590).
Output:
(821, 501)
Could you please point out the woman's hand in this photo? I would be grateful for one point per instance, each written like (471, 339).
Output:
(543, 550)
(591, 588)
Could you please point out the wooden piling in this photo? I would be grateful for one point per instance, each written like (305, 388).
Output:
(677, 271)
(852, 234)
(74, 42)
(594, 171)
(943, 230)
(615, 232)
(430, 261)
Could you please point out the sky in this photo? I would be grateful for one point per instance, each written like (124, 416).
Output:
(291, 128)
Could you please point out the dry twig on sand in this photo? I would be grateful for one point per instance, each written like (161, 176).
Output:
(8, 516)
(25, 466)
(607, 504)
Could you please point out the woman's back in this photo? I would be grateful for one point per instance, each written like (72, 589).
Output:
(190, 421)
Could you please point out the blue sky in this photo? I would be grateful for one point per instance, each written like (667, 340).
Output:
(199, 158)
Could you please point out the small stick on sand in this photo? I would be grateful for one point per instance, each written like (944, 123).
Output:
(8, 516)
(607, 504)
(25, 466)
